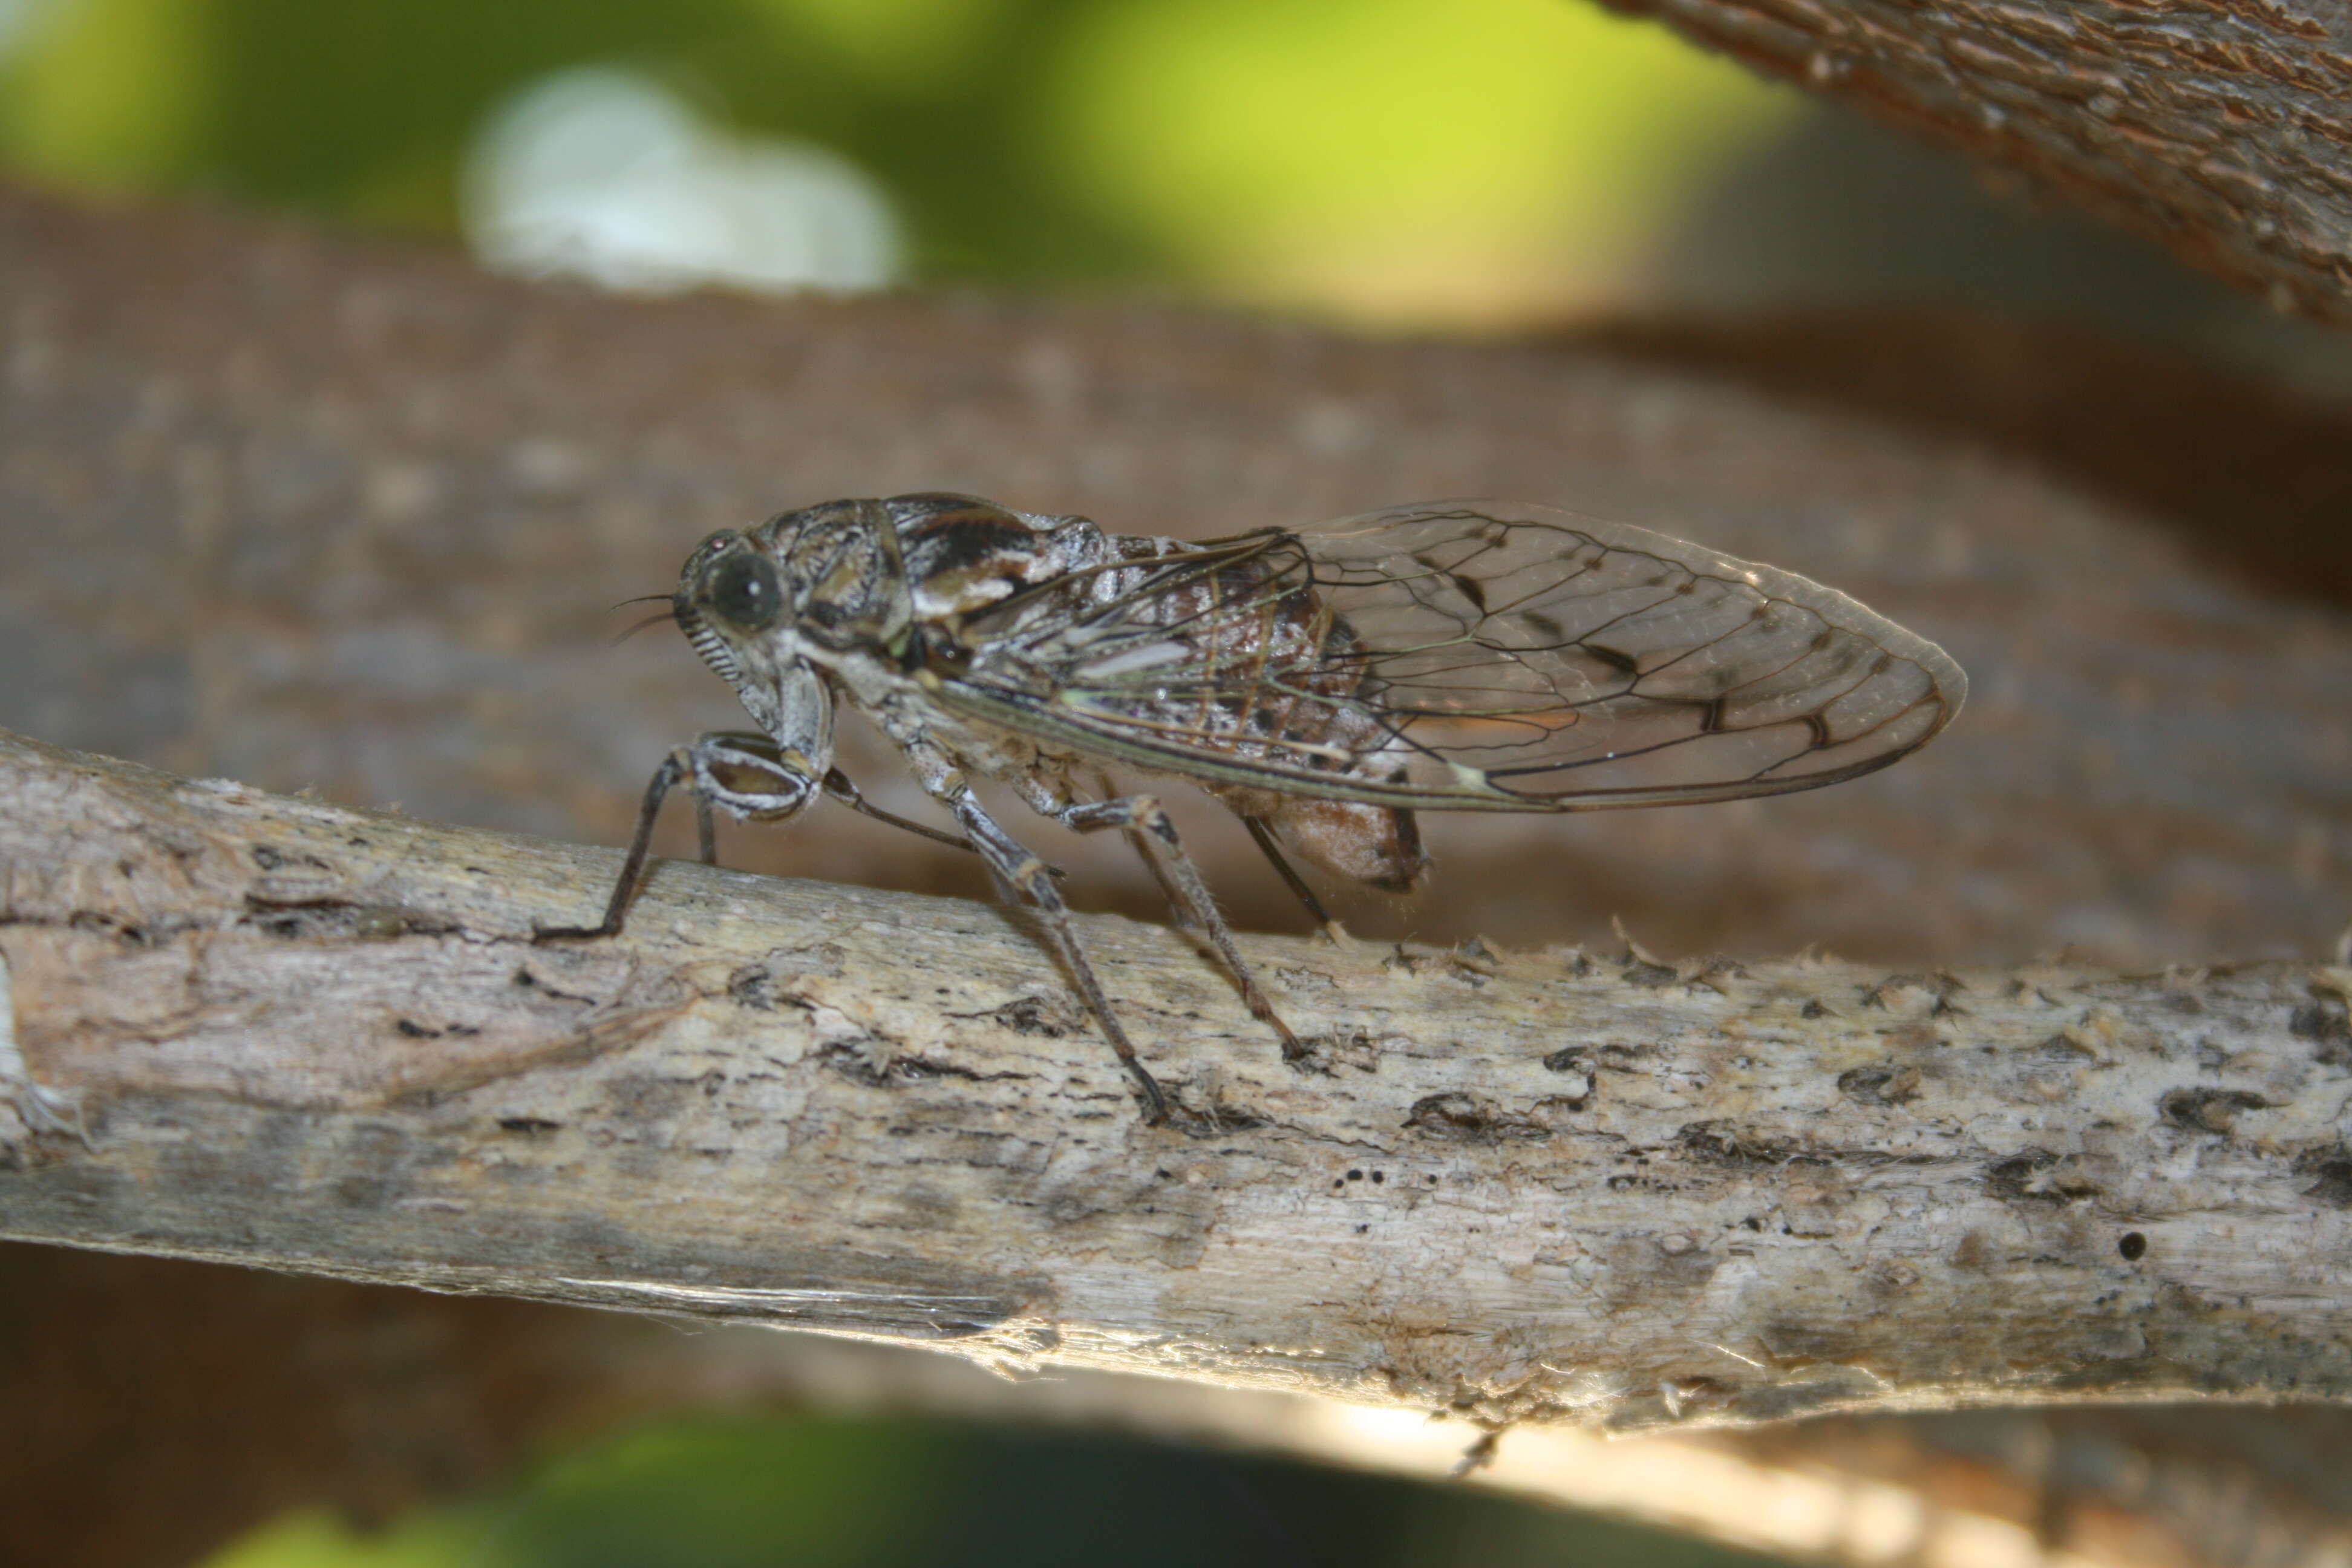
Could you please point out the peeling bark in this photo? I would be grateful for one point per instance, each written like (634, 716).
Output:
(1539, 1187)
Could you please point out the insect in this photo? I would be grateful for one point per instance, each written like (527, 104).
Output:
(1324, 684)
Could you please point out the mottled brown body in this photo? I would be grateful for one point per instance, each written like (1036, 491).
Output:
(985, 582)
(1474, 655)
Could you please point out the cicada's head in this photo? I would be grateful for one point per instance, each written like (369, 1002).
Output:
(823, 580)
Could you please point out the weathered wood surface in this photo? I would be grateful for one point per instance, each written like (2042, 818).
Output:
(2222, 129)
(1552, 1185)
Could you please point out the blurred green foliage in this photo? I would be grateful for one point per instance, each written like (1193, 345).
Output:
(816, 1492)
(712, 1492)
(1391, 159)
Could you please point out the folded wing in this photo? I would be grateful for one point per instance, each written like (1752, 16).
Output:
(1468, 655)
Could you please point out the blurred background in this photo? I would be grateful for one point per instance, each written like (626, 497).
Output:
(824, 1492)
(1483, 164)
(1465, 166)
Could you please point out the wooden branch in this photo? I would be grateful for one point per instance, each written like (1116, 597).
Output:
(1553, 1185)
(2221, 131)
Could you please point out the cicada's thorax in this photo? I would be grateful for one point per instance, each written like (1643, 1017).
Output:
(1014, 593)
(881, 589)
(887, 595)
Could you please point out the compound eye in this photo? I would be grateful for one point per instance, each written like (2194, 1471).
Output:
(744, 591)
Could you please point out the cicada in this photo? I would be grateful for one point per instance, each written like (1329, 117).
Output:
(1325, 684)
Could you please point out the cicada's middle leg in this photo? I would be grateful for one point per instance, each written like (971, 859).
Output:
(1025, 881)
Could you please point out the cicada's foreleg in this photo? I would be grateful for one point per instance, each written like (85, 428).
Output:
(715, 767)
(1148, 823)
(742, 748)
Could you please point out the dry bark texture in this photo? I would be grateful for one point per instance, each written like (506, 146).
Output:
(2220, 129)
(1527, 1187)
(229, 997)
(303, 512)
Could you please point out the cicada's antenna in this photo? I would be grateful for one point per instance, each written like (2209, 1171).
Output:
(648, 621)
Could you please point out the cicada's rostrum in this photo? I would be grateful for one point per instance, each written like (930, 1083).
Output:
(1325, 683)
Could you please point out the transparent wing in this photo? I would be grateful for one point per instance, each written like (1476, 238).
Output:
(1473, 655)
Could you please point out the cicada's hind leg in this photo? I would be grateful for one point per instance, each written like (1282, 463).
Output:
(1263, 835)
(1048, 805)
(1148, 823)
(715, 766)
(1375, 845)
